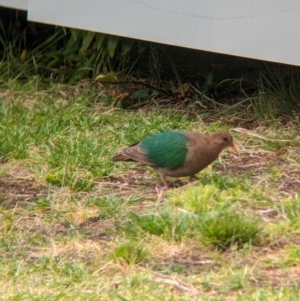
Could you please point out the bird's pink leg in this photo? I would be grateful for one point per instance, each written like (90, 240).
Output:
(166, 185)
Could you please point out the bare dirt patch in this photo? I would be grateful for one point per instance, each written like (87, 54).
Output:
(98, 229)
(15, 191)
(186, 262)
(276, 168)
(278, 277)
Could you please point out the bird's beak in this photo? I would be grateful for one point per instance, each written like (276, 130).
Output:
(234, 148)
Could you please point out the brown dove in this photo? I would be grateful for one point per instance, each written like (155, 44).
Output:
(177, 153)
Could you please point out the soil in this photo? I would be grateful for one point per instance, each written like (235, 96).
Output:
(14, 189)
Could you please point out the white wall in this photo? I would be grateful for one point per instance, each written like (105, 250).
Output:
(18, 4)
(267, 30)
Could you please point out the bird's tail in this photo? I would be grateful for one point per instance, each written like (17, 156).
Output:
(120, 157)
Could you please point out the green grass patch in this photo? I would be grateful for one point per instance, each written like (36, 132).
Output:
(73, 139)
(130, 253)
(228, 228)
(76, 226)
(163, 223)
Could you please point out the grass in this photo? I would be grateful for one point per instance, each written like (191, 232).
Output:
(129, 253)
(75, 225)
(229, 228)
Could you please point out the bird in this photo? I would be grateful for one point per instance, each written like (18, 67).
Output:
(177, 153)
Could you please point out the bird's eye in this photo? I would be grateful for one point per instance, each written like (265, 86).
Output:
(225, 139)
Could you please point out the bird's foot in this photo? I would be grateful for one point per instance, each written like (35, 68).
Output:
(166, 185)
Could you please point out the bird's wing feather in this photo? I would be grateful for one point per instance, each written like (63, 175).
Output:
(166, 150)
(137, 153)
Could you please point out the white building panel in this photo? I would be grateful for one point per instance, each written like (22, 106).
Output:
(267, 30)
(18, 4)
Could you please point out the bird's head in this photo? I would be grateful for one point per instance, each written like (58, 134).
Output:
(223, 139)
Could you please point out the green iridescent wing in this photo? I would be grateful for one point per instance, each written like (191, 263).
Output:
(167, 150)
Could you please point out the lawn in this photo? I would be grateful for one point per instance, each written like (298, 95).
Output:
(77, 226)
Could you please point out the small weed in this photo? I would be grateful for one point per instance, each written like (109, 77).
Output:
(130, 253)
(228, 228)
(237, 280)
(109, 207)
(44, 203)
(71, 178)
(7, 219)
(293, 255)
(291, 211)
(266, 106)
(164, 223)
(201, 198)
